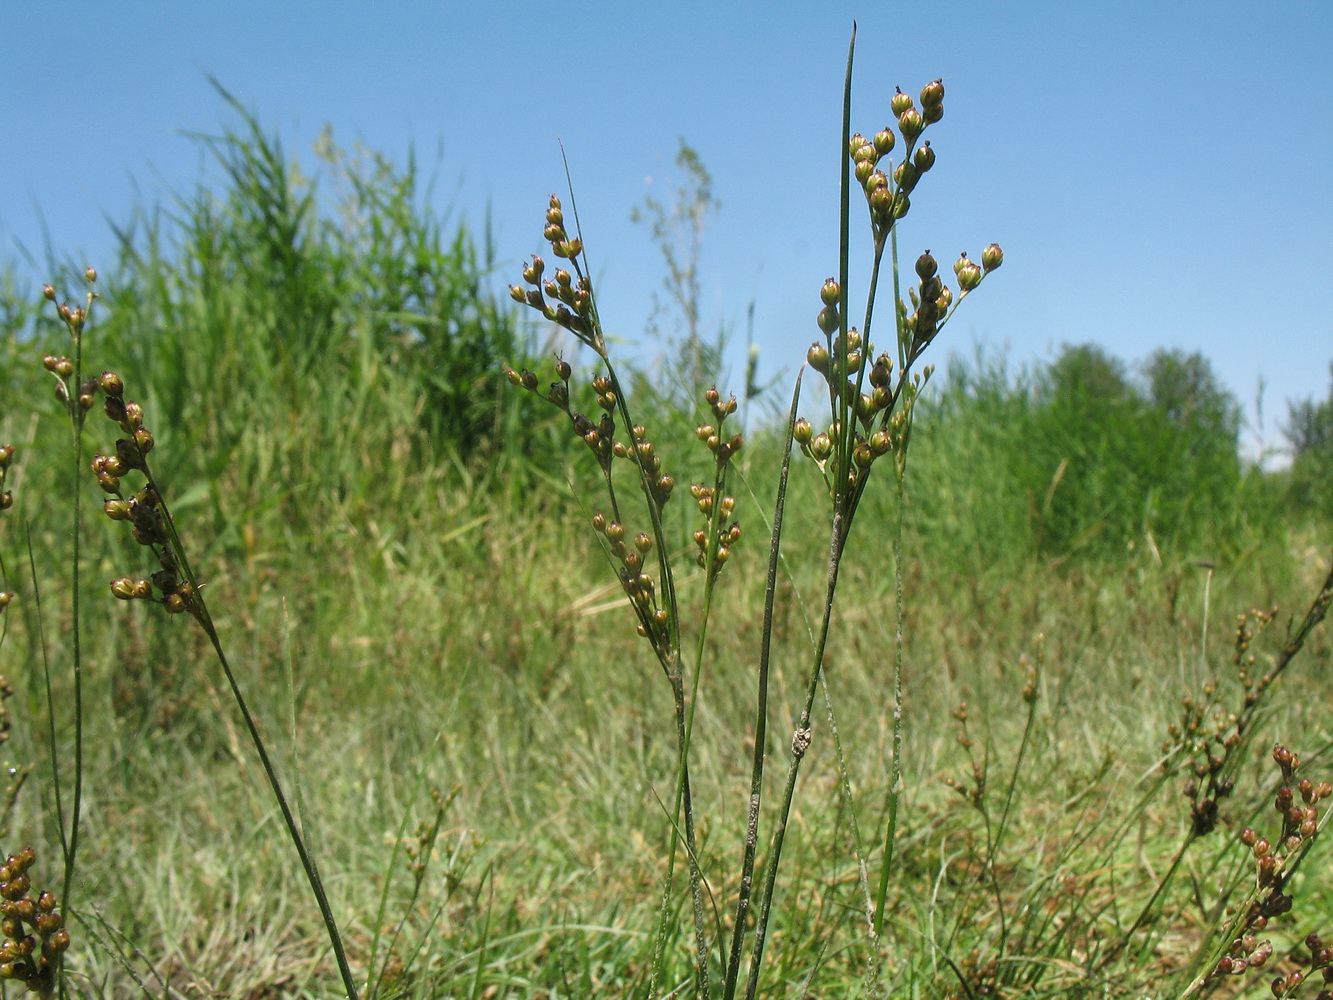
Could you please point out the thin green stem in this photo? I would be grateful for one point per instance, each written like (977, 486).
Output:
(800, 743)
(899, 656)
(761, 710)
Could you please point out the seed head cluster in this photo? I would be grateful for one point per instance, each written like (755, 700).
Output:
(1296, 803)
(565, 298)
(870, 406)
(34, 930)
(142, 510)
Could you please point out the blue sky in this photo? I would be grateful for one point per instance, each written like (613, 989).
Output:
(1157, 173)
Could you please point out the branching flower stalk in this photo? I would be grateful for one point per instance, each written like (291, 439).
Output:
(870, 410)
(174, 585)
(566, 298)
(866, 422)
(1210, 745)
(77, 395)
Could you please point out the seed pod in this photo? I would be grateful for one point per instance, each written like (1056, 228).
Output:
(926, 266)
(911, 124)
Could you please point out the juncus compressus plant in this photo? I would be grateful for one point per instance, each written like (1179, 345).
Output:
(137, 498)
(866, 416)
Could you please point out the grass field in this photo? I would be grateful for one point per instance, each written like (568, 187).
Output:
(1107, 625)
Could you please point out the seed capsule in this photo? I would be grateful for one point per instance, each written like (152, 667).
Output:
(911, 124)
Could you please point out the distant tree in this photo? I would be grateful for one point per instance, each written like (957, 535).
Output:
(1114, 460)
(1309, 432)
(1084, 375)
(1185, 390)
(1309, 425)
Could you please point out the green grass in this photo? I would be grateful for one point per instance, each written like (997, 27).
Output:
(413, 602)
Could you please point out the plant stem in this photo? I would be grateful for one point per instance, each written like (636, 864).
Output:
(761, 711)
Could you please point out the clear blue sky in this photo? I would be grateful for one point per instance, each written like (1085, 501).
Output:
(1157, 172)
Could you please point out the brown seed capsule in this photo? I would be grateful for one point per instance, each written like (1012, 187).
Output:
(900, 102)
(932, 93)
(926, 266)
(111, 384)
(992, 257)
(828, 319)
(924, 157)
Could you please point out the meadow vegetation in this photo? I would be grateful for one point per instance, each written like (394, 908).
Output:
(1069, 732)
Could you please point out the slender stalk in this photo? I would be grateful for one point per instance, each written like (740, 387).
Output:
(761, 711)
(899, 656)
(800, 742)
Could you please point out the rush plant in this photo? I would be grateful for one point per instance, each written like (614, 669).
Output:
(863, 422)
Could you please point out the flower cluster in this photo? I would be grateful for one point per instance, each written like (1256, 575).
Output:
(142, 510)
(1275, 860)
(888, 193)
(34, 931)
(719, 533)
(869, 394)
(565, 298)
